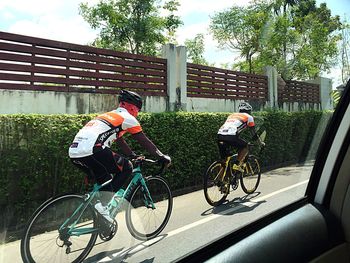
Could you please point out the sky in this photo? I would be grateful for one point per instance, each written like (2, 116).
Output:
(60, 20)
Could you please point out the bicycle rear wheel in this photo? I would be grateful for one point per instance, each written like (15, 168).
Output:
(144, 221)
(42, 241)
(250, 178)
(215, 189)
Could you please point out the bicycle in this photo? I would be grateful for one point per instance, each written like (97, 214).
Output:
(66, 227)
(220, 176)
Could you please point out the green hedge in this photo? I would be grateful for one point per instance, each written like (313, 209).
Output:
(35, 163)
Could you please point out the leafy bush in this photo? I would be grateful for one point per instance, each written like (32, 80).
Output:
(35, 163)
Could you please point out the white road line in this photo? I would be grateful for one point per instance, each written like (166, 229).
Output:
(228, 211)
(207, 219)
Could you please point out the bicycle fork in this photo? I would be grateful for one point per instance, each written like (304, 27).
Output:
(139, 180)
(146, 195)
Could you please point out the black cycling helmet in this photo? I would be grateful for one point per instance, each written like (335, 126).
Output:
(245, 107)
(131, 97)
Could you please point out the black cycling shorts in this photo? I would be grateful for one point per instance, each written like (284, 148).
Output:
(227, 142)
(101, 164)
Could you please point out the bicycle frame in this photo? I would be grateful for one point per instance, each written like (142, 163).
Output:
(135, 181)
(72, 231)
(112, 205)
(228, 159)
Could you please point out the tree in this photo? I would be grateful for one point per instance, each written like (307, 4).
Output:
(318, 37)
(132, 25)
(195, 49)
(297, 37)
(240, 29)
(345, 53)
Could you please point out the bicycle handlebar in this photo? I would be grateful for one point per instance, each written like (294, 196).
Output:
(138, 161)
(261, 147)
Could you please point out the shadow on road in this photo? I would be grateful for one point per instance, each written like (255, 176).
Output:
(235, 206)
(120, 255)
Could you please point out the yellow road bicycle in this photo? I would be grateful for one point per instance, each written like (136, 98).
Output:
(220, 177)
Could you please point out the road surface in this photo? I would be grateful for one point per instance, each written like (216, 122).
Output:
(194, 223)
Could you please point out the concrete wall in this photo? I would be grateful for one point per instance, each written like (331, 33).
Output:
(218, 105)
(49, 102)
(299, 106)
(325, 92)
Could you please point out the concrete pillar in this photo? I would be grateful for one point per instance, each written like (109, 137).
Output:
(271, 74)
(169, 53)
(325, 92)
(181, 83)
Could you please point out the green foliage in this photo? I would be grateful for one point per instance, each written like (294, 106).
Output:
(195, 49)
(344, 47)
(134, 26)
(297, 37)
(35, 163)
(241, 29)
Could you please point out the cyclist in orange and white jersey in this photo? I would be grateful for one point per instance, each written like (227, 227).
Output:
(91, 152)
(228, 134)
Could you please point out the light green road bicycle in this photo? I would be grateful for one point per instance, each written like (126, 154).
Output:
(65, 227)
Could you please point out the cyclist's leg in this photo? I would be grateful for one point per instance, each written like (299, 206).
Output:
(93, 167)
(107, 162)
(242, 147)
(224, 150)
(80, 163)
(223, 145)
(124, 170)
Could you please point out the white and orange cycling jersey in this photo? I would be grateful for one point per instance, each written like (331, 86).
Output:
(102, 131)
(235, 123)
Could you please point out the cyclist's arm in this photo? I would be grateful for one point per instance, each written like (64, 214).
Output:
(255, 135)
(147, 144)
(124, 147)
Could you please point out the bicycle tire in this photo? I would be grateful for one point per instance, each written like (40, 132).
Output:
(250, 178)
(146, 228)
(213, 186)
(40, 242)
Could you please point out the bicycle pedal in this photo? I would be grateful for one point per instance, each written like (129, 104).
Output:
(235, 185)
(224, 189)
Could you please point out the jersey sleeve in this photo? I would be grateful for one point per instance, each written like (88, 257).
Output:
(131, 125)
(250, 121)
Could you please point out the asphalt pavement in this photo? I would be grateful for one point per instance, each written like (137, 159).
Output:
(194, 223)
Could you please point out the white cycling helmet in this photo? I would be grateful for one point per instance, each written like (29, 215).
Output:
(245, 107)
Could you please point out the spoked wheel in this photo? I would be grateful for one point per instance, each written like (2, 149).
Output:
(215, 189)
(42, 240)
(146, 219)
(250, 178)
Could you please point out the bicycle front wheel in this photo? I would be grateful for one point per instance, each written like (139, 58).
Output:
(250, 178)
(42, 241)
(147, 215)
(215, 188)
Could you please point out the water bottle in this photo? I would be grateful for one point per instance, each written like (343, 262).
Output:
(118, 196)
(115, 202)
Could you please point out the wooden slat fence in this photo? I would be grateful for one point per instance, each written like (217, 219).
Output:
(28, 63)
(211, 82)
(298, 91)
